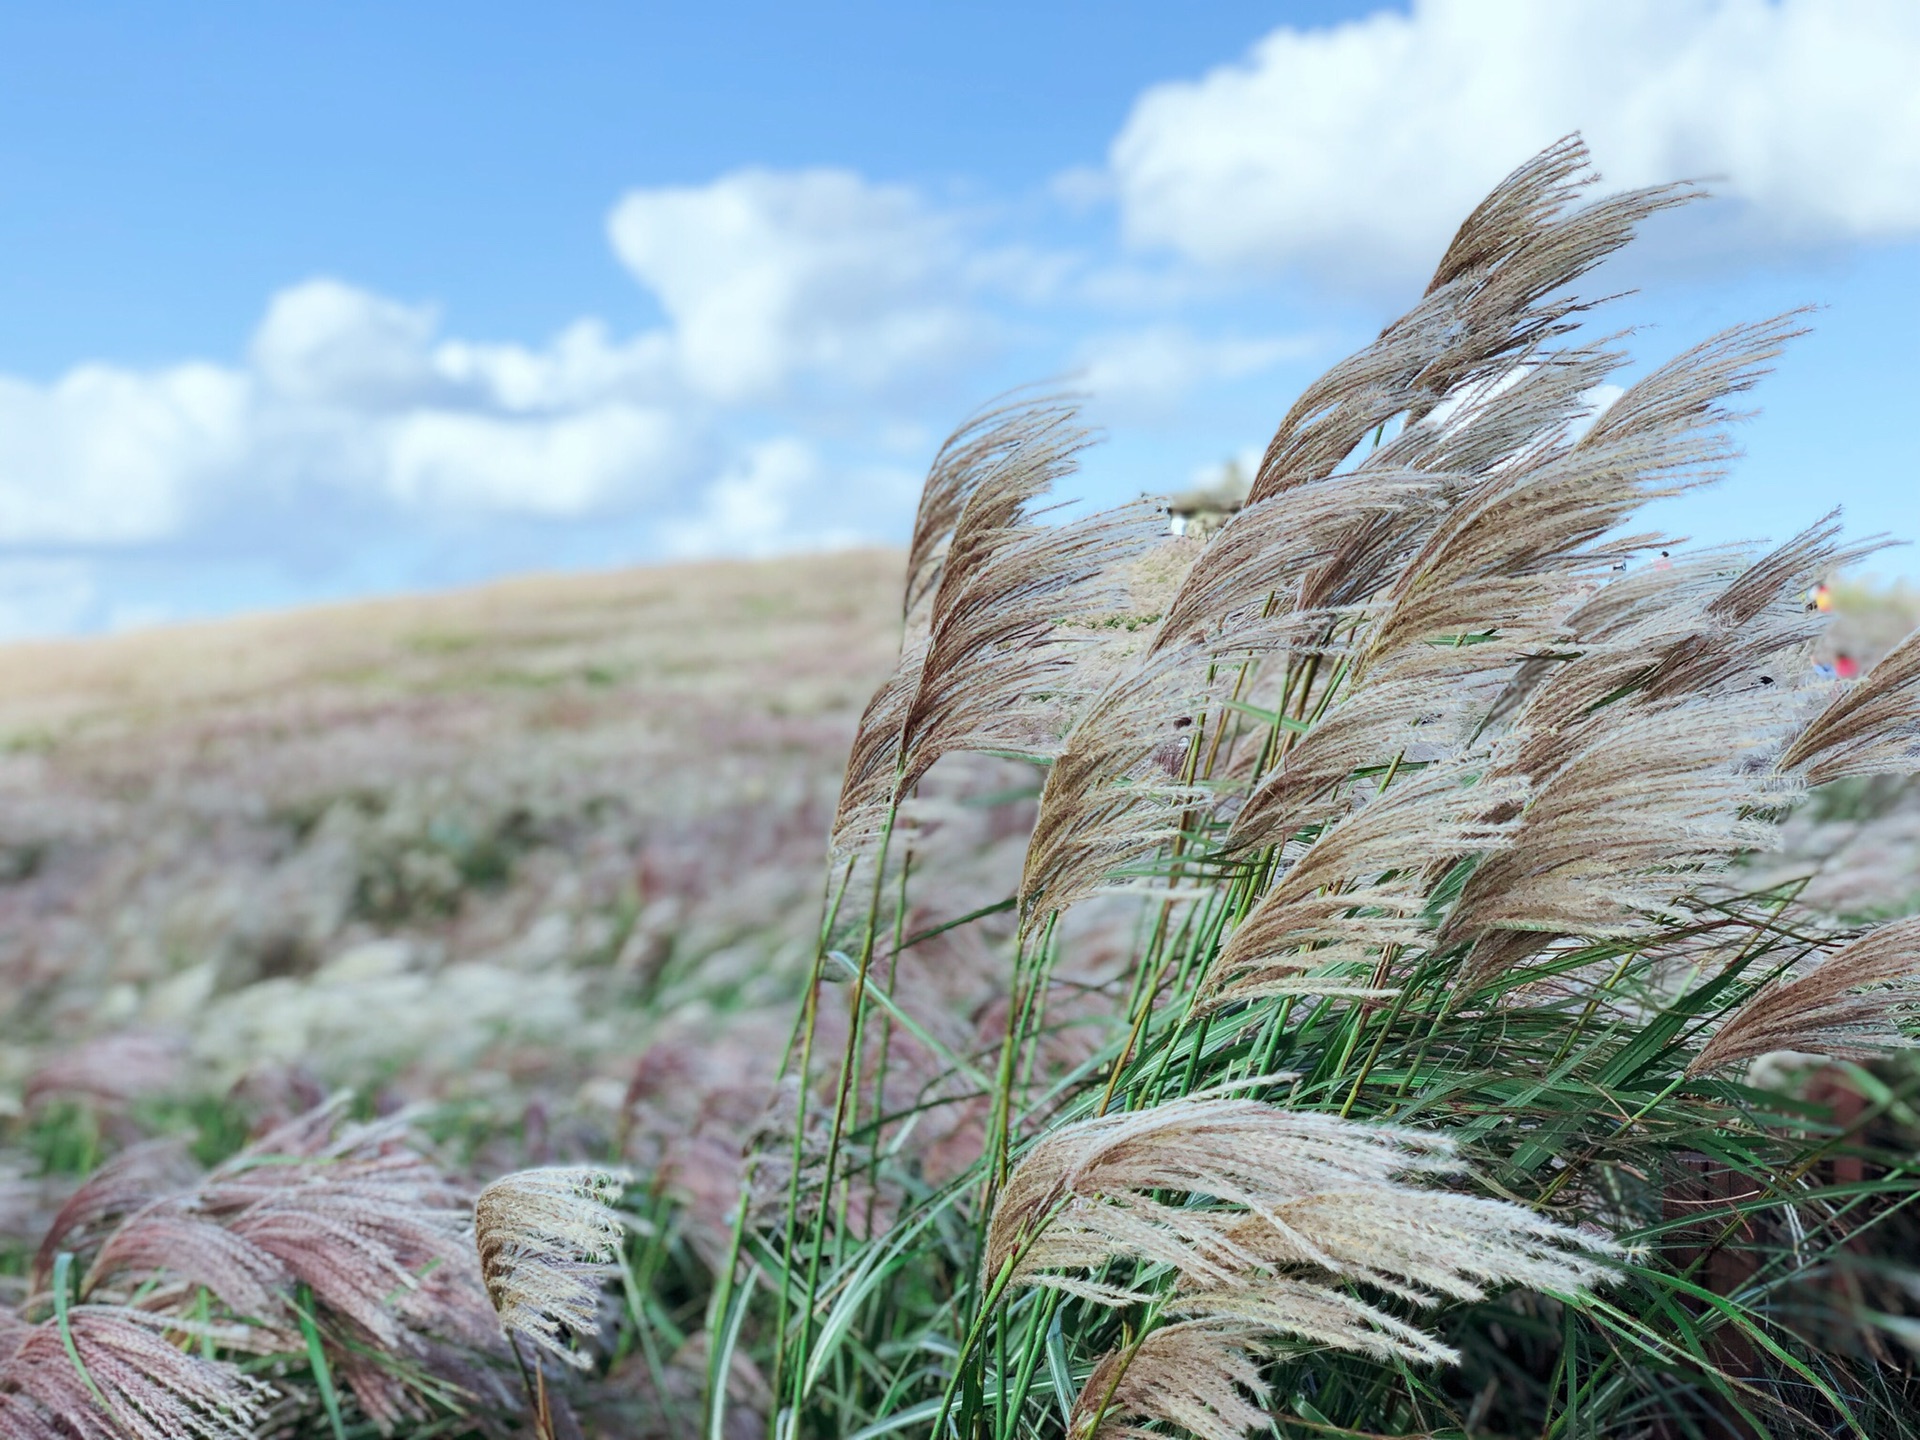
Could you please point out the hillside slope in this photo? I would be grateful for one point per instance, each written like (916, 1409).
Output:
(483, 846)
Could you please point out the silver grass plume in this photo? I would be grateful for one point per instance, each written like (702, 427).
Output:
(1485, 307)
(546, 1239)
(1715, 624)
(1202, 1375)
(1656, 664)
(1843, 1008)
(997, 641)
(1115, 791)
(873, 763)
(1469, 372)
(1479, 429)
(124, 1184)
(1261, 556)
(1618, 641)
(1280, 1210)
(124, 1379)
(1597, 847)
(111, 1068)
(1509, 554)
(1417, 708)
(986, 442)
(988, 656)
(1870, 728)
(1757, 630)
(992, 449)
(1503, 556)
(1409, 697)
(353, 1212)
(1359, 887)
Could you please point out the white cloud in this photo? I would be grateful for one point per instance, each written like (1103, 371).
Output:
(771, 278)
(573, 465)
(328, 343)
(582, 366)
(1354, 150)
(785, 494)
(111, 456)
(1153, 369)
(780, 289)
(749, 509)
(344, 392)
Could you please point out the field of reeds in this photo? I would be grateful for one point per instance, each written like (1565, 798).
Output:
(1422, 956)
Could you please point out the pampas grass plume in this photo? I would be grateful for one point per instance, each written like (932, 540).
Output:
(545, 1238)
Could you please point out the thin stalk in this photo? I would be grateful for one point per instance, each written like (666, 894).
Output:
(837, 1131)
(886, 1037)
(1366, 1067)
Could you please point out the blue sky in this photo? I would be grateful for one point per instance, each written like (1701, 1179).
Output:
(308, 301)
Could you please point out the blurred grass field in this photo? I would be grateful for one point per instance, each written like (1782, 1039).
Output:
(544, 855)
(488, 849)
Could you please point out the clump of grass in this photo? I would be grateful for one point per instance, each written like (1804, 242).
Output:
(322, 1266)
(1428, 785)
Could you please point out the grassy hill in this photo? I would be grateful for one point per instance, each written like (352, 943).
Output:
(486, 847)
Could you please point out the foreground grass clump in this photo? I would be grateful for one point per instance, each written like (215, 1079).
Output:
(1458, 1082)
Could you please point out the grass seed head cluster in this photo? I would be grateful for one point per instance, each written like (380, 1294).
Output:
(1433, 789)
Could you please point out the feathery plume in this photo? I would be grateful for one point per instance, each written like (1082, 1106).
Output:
(997, 640)
(1511, 418)
(360, 1217)
(1843, 1008)
(991, 597)
(124, 1380)
(1756, 632)
(1871, 728)
(1263, 553)
(124, 1184)
(986, 442)
(1415, 709)
(1616, 640)
(1114, 793)
(1274, 1199)
(1360, 886)
(1485, 307)
(1303, 1310)
(352, 1212)
(874, 761)
(111, 1068)
(1596, 849)
(545, 1239)
(1202, 1375)
(1504, 559)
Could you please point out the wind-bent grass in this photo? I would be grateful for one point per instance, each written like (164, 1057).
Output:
(1414, 1111)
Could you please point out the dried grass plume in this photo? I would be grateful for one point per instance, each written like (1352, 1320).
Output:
(545, 1239)
(1844, 1008)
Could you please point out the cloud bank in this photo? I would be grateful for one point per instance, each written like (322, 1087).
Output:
(775, 288)
(1351, 152)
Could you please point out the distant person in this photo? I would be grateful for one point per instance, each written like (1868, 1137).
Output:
(1822, 597)
(1846, 667)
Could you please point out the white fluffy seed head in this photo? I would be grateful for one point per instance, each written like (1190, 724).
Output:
(546, 1238)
